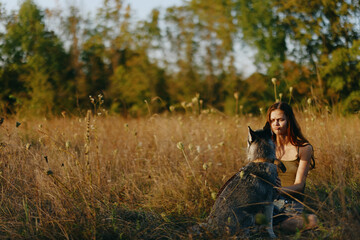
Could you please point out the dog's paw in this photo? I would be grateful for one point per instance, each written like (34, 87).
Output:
(271, 234)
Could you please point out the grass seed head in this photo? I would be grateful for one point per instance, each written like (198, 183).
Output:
(309, 101)
(180, 145)
(273, 80)
(213, 195)
(236, 95)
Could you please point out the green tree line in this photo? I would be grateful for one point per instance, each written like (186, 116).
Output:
(53, 60)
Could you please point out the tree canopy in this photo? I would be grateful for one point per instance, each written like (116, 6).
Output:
(184, 52)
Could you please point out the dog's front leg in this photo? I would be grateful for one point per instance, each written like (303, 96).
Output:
(269, 219)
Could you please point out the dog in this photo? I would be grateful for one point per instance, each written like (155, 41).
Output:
(247, 197)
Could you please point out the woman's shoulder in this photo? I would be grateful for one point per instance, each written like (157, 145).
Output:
(306, 151)
(306, 146)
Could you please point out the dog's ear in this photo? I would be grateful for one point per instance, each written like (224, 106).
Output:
(280, 165)
(251, 135)
(267, 128)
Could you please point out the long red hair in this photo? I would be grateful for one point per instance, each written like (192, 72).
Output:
(293, 129)
(294, 133)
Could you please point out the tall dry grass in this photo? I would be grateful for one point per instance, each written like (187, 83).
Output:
(115, 178)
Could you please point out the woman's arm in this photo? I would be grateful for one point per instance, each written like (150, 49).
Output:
(305, 154)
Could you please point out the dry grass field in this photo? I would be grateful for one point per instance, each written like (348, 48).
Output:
(100, 177)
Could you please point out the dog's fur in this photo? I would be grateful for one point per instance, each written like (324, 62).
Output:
(250, 191)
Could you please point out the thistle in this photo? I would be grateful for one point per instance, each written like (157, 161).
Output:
(92, 100)
(180, 145)
(236, 96)
(290, 90)
(67, 144)
(261, 110)
(309, 100)
(274, 81)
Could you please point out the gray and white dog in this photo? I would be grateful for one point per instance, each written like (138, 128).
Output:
(249, 194)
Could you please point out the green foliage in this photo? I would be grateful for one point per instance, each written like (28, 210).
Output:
(95, 69)
(135, 82)
(326, 35)
(35, 59)
(262, 29)
(170, 57)
(352, 103)
(257, 90)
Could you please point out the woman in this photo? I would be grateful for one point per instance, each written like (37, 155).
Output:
(295, 151)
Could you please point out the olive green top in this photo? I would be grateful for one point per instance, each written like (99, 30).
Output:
(288, 178)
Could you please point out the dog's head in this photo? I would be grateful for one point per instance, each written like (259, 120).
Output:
(261, 146)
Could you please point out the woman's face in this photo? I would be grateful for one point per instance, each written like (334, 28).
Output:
(278, 122)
